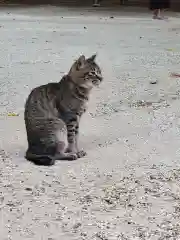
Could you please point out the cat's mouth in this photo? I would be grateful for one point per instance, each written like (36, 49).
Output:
(97, 82)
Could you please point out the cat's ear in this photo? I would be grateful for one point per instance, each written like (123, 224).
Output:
(92, 58)
(80, 62)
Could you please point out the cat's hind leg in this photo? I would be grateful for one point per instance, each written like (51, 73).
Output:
(41, 160)
(48, 160)
(66, 156)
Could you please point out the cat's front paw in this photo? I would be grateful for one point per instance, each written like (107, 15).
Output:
(72, 156)
(81, 154)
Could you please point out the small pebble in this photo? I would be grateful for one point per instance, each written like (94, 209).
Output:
(28, 189)
(111, 17)
(153, 81)
(85, 27)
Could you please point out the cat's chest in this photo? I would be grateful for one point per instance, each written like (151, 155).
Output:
(73, 105)
(67, 116)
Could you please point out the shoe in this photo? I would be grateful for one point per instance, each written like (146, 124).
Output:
(96, 5)
(159, 18)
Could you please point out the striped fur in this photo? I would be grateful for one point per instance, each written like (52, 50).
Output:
(53, 111)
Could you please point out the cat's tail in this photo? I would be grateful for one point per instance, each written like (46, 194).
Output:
(41, 160)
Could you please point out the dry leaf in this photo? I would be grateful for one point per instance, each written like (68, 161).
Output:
(170, 49)
(12, 114)
(175, 75)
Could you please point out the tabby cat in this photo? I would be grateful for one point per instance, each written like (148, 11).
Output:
(53, 111)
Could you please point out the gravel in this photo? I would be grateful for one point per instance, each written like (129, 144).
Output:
(127, 188)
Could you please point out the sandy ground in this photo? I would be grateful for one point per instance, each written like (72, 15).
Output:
(128, 186)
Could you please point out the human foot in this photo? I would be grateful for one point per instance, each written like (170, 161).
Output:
(159, 17)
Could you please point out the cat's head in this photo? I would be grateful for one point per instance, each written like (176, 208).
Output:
(86, 72)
